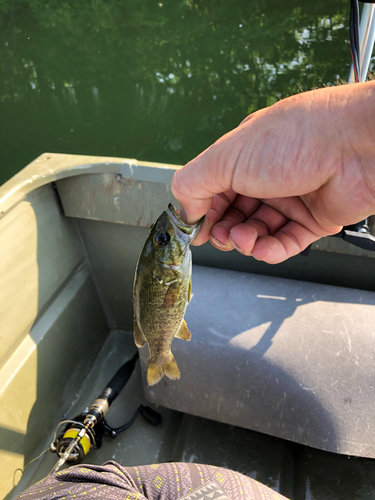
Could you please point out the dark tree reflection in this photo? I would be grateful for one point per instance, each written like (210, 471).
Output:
(153, 80)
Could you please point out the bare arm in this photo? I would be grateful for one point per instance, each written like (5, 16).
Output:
(287, 175)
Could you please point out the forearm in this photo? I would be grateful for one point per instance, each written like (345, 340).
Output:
(345, 119)
(360, 117)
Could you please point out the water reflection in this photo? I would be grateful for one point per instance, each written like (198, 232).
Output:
(157, 81)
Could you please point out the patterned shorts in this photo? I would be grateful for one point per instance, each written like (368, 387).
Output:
(169, 481)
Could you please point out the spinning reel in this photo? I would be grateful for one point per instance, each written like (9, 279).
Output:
(73, 439)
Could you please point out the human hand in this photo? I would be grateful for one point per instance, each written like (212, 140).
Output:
(287, 175)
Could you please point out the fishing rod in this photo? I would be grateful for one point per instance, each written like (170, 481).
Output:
(362, 38)
(73, 439)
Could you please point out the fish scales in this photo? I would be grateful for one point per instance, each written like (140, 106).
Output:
(162, 288)
(153, 290)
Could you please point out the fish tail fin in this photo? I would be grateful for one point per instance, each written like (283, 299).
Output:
(157, 370)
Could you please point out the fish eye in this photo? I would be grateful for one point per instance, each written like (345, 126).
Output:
(162, 239)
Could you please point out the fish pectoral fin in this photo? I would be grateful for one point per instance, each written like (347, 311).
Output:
(156, 371)
(183, 332)
(171, 295)
(139, 338)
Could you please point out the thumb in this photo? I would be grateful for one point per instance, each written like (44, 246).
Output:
(196, 184)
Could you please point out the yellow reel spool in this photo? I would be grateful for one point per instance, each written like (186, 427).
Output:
(81, 449)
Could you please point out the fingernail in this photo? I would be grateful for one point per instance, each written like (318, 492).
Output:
(239, 249)
(217, 243)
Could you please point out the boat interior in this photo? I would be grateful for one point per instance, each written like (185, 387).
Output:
(275, 383)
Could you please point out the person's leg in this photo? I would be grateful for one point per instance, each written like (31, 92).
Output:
(168, 481)
(185, 481)
(84, 482)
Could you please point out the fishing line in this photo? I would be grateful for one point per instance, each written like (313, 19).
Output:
(23, 470)
(73, 439)
(2, 485)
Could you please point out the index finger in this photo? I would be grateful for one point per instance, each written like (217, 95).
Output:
(220, 204)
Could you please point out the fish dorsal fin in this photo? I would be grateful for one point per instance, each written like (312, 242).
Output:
(183, 332)
(189, 290)
(139, 338)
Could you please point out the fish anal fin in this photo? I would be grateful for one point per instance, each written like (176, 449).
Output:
(157, 370)
(139, 338)
(183, 332)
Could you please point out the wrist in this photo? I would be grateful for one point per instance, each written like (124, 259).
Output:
(350, 118)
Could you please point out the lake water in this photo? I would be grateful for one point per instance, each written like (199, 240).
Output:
(156, 81)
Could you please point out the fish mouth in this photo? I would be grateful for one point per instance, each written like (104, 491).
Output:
(189, 229)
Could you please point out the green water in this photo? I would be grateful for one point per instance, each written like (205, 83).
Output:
(154, 80)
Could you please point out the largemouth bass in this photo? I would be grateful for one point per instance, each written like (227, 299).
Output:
(162, 289)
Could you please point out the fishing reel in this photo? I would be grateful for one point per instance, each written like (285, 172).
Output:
(73, 439)
(67, 431)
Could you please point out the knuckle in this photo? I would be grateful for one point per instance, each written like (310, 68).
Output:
(177, 185)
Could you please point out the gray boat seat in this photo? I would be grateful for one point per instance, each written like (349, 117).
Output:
(287, 358)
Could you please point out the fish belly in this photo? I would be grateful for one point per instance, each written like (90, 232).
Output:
(160, 309)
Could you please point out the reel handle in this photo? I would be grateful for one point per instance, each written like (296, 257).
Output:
(150, 415)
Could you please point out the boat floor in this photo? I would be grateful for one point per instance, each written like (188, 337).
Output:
(296, 471)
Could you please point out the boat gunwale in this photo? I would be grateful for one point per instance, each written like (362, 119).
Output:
(50, 167)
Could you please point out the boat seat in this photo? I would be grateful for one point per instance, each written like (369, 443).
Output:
(287, 358)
